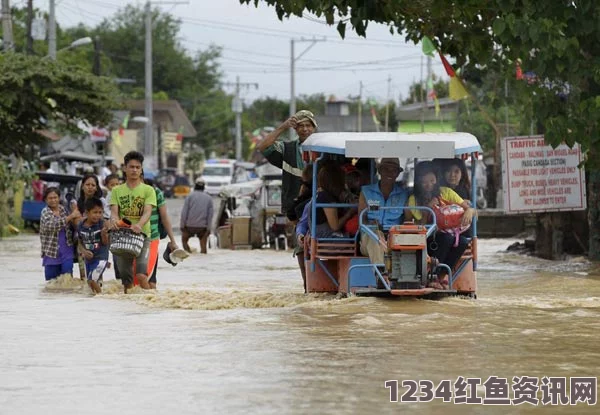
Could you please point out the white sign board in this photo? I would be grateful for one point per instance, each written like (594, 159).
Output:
(38, 29)
(538, 178)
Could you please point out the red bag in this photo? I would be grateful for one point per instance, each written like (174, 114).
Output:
(351, 225)
(448, 216)
(449, 219)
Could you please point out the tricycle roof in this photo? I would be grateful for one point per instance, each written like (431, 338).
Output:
(376, 145)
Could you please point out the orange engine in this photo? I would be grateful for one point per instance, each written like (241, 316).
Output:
(406, 260)
(407, 237)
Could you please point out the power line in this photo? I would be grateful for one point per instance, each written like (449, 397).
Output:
(257, 30)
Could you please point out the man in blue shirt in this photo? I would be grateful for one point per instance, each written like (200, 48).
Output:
(387, 193)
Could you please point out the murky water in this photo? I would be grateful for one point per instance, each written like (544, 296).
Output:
(231, 332)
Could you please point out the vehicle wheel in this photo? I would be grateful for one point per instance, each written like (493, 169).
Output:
(36, 226)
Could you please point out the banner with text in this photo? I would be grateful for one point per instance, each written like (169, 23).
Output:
(538, 178)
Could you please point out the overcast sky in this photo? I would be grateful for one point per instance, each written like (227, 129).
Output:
(256, 47)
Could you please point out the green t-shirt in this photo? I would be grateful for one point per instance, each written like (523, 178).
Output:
(131, 202)
(160, 201)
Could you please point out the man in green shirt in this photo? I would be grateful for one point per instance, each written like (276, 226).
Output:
(133, 200)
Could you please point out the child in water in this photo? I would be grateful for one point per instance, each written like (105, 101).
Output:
(93, 237)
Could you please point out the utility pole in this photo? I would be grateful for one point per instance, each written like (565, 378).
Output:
(237, 108)
(429, 74)
(148, 108)
(387, 104)
(148, 105)
(293, 59)
(422, 100)
(29, 47)
(360, 107)
(97, 57)
(52, 31)
(7, 26)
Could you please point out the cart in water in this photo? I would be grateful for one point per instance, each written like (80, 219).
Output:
(336, 265)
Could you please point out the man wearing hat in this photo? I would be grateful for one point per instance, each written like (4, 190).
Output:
(287, 155)
(386, 193)
(196, 216)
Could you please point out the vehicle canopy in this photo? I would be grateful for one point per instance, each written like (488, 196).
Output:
(405, 145)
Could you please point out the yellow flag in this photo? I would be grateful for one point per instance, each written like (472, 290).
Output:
(457, 90)
(436, 101)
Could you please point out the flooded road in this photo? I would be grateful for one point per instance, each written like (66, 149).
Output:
(231, 332)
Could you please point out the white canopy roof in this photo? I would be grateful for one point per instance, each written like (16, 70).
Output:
(376, 145)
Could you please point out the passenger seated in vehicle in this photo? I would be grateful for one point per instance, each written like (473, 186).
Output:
(386, 193)
(454, 176)
(427, 192)
(332, 184)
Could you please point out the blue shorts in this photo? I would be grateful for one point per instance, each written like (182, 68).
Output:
(95, 268)
(53, 271)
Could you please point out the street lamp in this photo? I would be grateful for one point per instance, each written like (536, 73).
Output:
(75, 44)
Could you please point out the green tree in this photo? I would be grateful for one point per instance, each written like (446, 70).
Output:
(416, 92)
(38, 93)
(557, 41)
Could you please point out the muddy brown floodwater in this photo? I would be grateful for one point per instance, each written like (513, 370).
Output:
(231, 333)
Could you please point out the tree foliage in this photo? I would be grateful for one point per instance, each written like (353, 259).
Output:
(557, 41)
(417, 93)
(37, 92)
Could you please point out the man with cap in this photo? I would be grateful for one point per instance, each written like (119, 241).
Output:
(196, 216)
(287, 155)
(386, 193)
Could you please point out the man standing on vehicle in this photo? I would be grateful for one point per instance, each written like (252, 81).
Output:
(133, 200)
(196, 217)
(288, 155)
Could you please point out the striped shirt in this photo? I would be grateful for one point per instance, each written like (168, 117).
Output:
(154, 218)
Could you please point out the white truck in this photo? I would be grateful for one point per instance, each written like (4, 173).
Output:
(218, 173)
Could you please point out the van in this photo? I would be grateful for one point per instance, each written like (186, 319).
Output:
(217, 173)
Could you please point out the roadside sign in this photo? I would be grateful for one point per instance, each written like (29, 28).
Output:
(538, 178)
(38, 29)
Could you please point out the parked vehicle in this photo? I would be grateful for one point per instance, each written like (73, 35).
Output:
(182, 187)
(216, 174)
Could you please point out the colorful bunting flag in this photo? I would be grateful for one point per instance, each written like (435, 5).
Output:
(374, 114)
(179, 134)
(519, 71)
(124, 125)
(456, 88)
(428, 46)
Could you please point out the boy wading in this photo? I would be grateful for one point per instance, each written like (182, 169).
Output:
(133, 200)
